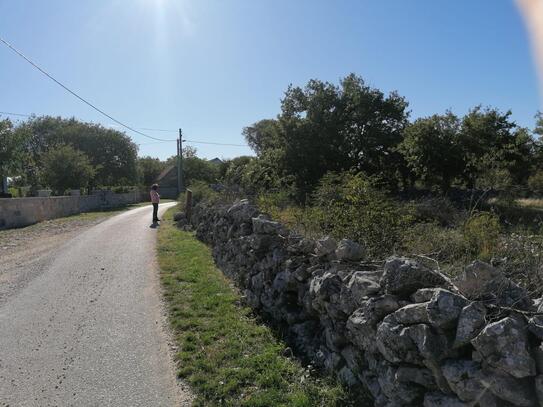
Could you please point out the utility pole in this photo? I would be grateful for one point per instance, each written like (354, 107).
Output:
(180, 183)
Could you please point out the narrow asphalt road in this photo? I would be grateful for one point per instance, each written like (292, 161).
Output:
(88, 329)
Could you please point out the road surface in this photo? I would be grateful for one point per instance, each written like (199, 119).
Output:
(86, 327)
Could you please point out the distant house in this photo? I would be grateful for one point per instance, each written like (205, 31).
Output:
(167, 182)
(216, 160)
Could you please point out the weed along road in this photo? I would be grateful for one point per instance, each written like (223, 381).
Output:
(88, 329)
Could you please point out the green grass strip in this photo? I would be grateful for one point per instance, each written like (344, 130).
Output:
(227, 357)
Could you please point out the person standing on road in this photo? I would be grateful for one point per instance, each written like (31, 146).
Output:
(155, 199)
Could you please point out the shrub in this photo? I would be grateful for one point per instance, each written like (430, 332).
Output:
(350, 206)
(519, 257)
(201, 191)
(438, 210)
(441, 244)
(67, 168)
(273, 203)
(535, 183)
(482, 232)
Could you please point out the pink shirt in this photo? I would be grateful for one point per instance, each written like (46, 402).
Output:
(155, 197)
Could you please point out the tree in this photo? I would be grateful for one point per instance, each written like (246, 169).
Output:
(432, 150)
(11, 149)
(493, 143)
(149, 169)
(263, 135)
(66, 168)
(111, 152)
(538, 130)
(197, 169)
(323, 127)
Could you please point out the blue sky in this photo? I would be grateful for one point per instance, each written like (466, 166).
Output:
(215, 66)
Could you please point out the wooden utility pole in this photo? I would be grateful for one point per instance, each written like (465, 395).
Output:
(180, 181)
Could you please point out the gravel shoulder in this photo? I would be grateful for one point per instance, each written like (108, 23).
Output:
(25, 252)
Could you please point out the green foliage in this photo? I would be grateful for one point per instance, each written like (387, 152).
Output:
(538, 130)
(436, 242)
(354, 208)
(149, 169)
(323, 127)
(438, 210)
(482, 233)
(201, 192)
(66, 168)
(232, 171)
(110, 152)
(432, 150)
(197, 169)
(491, 142)
(11, 149)
(535, 182)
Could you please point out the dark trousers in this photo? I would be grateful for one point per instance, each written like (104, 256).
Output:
(155, 212)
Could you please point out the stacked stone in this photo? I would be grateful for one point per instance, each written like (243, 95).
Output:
(407, 333)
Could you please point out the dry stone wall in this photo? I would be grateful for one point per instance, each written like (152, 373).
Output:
(407, 333)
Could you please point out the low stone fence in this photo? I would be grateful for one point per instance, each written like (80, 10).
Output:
(406, 333)
(19, 212)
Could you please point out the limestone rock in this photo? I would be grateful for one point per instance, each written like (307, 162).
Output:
(395, 343)
(481, 281)
(424, 294)
(416, 375)
(354, 293)
(470, 322)
(437, 399)
(302, 246)
(325, 246)
(349, 250)
(362, 324)
(504, 345)
(400, 393)
(463, 377)
(242, 211)
(535, 326)
(517, 392)
(403, 277)
(444, 308)
(539, 389)
(412, 314)
(324, 290)
(262, 225)
(411, 344)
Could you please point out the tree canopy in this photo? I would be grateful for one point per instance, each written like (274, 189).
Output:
(110, 152)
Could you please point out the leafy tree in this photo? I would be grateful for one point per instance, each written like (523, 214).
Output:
(538, 124)
(111, 152)
(199, 169)
(432, 150)
(263, 135)
(323, 127)
(66, 168)
(232, 170)
(492, 142)
(11, 149)
(149, 169)
(535, 182)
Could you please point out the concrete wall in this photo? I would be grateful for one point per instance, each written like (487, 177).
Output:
(19, 212)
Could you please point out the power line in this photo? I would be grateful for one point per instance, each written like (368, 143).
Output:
(159, 140)
(75, 94)
(15, 114)
(216, 144)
